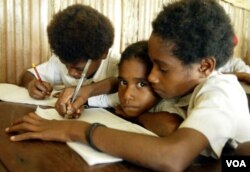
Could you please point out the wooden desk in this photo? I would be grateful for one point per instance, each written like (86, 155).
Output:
(36, 155)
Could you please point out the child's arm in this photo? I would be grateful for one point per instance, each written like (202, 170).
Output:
(64, 105)
(37, 89)
(161, 154)
(26, 79)
(243, 77)
(161, 123)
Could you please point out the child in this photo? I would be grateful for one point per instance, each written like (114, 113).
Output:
(138, 102)
(189, 41)
(76, 34)
(135, 93)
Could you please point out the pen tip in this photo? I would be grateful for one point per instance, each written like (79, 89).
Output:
(33, 65)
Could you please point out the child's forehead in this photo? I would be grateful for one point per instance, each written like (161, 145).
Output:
(157, 42)
(133, 61)
(133, 67)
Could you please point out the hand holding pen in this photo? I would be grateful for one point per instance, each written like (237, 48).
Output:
(71, 99)
(37, 88)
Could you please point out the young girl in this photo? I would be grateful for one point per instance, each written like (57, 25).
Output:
(189, 41)
(135, 93)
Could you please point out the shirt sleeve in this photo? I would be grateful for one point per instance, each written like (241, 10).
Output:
(235, 64)
(49, 70)
(105, 100)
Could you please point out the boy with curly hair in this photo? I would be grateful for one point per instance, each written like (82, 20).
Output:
(76, 34)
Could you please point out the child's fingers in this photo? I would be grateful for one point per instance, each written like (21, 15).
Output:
(61, 108)
(48, 86)
(30, 118)
(26, 136)
(40, 91)
(22, 126)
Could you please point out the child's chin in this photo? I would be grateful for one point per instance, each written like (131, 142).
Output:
(132, 114)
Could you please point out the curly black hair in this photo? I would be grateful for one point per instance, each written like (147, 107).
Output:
(138, 50)
(198, 28)
(79, 33)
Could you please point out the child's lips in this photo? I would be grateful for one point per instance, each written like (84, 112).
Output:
(129, 107)
(159, 92)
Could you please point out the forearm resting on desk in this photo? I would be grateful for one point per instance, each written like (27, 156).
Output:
(161, 123)
(176, 145)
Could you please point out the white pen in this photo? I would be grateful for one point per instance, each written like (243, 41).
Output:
(82, 79)
(79, 84)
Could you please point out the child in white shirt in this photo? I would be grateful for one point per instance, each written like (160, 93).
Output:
(76, 34)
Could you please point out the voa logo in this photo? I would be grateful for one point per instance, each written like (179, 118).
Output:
(236, 163)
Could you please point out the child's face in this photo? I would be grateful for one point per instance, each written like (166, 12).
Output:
(135, 94)
(169, 77)
(75, 69)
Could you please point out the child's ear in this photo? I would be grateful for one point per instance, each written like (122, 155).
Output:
(207, 66)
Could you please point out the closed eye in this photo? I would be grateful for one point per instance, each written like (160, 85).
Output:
(163, 69)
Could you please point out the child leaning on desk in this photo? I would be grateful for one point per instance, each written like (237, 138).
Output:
(190, 40)
(76, 34)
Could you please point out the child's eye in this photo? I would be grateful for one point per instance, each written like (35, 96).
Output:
(163, 69)
(142, 84)
(123, 83)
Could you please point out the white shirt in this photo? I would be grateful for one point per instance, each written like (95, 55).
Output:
(235, 64)
(218, 108)
(56, 73)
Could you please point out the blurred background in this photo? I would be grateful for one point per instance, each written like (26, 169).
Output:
(23, 36)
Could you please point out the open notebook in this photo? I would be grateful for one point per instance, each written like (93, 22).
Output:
(99, 115)
(16, 94)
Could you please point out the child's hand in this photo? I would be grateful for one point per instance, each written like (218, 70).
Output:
(38, 89)
(69, 109)
(32, 126)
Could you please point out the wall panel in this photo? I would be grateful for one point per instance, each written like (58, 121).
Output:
(24, 39)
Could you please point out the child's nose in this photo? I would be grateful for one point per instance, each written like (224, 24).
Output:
(129, 94)
(152, 77)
